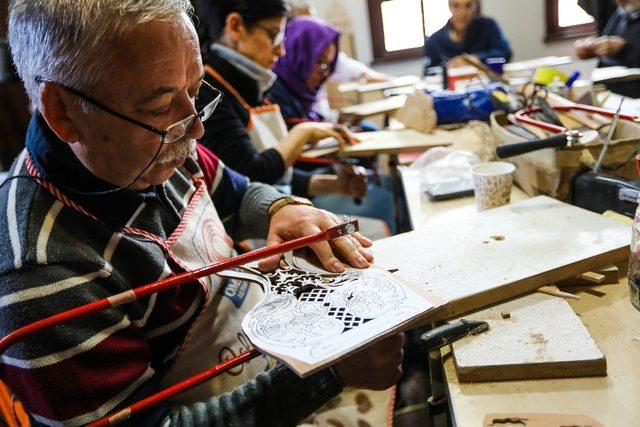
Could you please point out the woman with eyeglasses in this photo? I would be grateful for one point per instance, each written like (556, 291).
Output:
(313, 53)
(312, 47)
(248, 131)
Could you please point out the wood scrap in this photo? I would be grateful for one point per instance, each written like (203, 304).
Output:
(607, 275)
(553, 291)
(541, 338)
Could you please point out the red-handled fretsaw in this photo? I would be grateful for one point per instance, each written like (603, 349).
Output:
(338, 231)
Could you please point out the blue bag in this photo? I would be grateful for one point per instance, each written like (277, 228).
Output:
(462, 106)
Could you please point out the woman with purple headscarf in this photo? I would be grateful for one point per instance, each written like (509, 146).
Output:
(311, 46)
(311, 53)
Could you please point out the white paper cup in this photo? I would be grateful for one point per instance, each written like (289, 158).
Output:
(492, 183)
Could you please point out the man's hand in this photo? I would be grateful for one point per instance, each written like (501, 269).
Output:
(608, 45)
(375, 368)
(294, 221)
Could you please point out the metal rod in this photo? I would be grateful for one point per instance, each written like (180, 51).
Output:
(605, 146)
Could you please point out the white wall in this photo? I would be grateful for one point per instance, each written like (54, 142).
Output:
(523, 22)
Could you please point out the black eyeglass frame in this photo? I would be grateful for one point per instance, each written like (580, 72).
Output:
(162, 133)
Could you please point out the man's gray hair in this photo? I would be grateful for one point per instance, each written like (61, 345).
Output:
(70, 41)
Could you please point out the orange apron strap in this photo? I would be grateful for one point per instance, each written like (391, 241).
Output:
(216, 75)
(11, 411)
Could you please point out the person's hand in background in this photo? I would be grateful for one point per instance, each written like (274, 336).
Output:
(608, 45)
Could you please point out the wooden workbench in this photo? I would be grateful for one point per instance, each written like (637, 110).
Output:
(609, 317)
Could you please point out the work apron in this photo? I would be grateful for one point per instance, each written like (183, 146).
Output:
(266, 126)
(216, 334)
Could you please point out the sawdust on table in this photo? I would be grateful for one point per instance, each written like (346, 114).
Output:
(539, 340)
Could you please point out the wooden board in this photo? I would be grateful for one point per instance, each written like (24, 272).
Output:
(306, 332)
(504, 252)
(533, 337)
(373, 108)
(396, 82)
(390, 141)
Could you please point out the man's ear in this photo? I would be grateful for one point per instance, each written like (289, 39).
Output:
(234, 27)
(57, 108)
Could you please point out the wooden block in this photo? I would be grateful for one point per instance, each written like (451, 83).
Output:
(541, 338)
(539, 420)
(545, 241)
(607, 275)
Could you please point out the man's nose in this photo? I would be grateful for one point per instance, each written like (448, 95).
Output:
(196, 131)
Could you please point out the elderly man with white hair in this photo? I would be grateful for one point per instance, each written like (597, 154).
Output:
(112, 192)
(619, 45)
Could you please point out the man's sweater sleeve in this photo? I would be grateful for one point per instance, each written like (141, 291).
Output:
(276, 398)
(253, 219)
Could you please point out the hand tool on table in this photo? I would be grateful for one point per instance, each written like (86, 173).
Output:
(135, 294)
(570, 138)
(431, 342)
(564, 137)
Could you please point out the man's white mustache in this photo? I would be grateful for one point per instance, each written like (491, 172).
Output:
(177, 151)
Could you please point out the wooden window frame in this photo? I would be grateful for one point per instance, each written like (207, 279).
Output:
(558, 33)
(380, 54)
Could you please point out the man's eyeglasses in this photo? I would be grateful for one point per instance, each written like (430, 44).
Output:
(171, 134)
(276, 38)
